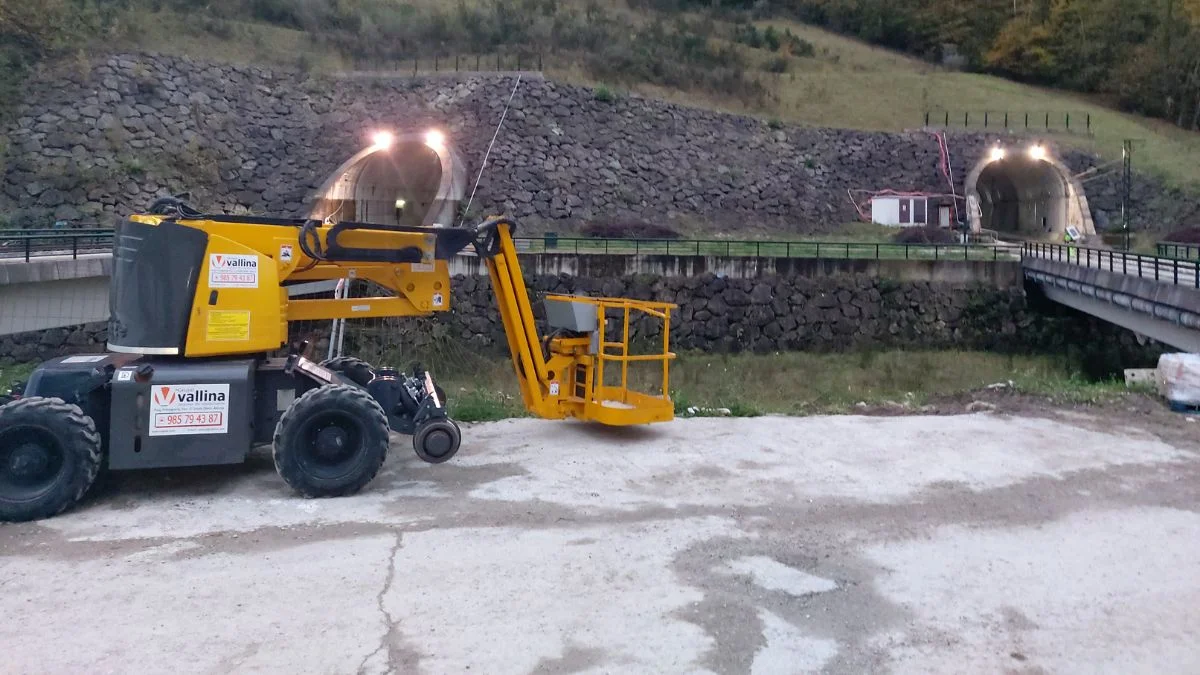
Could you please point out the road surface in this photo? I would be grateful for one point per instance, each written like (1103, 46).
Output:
(982, 543)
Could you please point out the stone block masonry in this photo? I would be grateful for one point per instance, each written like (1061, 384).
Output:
(775, 313)
(94, 144)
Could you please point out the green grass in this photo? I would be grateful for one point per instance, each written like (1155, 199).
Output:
(799, 383)
(14, 373)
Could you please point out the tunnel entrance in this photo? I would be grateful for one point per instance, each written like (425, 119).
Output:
(1026, 195)
(411, 180)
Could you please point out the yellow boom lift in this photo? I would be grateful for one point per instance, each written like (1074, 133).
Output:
(200, 308)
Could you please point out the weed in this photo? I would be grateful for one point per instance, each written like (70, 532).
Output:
(604, 94)
(132, 166)
(775, 124)
(484, 406)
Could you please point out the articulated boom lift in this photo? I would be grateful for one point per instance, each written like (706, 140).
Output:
(197, 373)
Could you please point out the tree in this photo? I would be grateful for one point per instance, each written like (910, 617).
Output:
(1023, 50)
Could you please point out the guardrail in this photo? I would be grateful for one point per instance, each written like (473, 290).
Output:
(27, 244)
(1179, 251)
(766, 249)
(1167, 270)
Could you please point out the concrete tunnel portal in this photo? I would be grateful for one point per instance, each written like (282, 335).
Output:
(1026, 194)
(412, 180)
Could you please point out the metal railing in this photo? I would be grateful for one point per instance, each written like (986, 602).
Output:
(34, 243)
(498, 62)
(766, 249)
(27, 244)
(1179, 251)
(1167, 270)
(1059, 121)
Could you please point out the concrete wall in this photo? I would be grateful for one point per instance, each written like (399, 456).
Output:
(49, 293)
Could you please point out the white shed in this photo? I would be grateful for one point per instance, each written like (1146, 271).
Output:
(899, 211)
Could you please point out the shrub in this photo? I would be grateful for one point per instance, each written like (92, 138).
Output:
(1189, 235)
(930, 234)
(628, 230)
(776, 64)
(604, 94)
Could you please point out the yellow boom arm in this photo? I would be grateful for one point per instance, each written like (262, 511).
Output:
(569, 378)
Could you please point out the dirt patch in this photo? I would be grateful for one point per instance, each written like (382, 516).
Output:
(1133, 412)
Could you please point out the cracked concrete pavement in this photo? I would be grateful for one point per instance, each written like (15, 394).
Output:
(980, 543)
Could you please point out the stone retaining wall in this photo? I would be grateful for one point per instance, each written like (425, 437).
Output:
(93, 143)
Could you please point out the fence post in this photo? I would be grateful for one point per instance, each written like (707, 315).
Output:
(1047, 121)
(477, 57)
(75, 247)
(967, 119)
(518, 62)
(986, 117)
(877, 251)
(435, 62)
(1068, 121)
(456, 57)
(1005, 119)
(1026, 120)
(28, 250)
(947, 118)
(414, 66)
(1089, 123)
(540, 62)
(926, 118)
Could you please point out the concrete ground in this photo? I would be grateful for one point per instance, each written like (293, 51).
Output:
(982, 543)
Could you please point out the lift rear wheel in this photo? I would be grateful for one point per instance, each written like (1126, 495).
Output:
(437, 441)
(50, 454)
(331, 441)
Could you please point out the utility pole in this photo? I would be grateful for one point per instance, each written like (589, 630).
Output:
(1126, 183)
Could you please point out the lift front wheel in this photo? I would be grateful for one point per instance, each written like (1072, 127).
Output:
(50, 454)
(331, 441)
(437, 441)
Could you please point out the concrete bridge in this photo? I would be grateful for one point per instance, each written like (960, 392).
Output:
(66, 285)
(1155, 297)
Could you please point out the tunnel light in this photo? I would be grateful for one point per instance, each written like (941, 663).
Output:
(435, 139)
(400, 203)
(382, 140)
(1038, 152)
(998, 154)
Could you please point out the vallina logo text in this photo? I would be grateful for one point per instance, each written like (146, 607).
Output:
(225, 261)
(171, 396)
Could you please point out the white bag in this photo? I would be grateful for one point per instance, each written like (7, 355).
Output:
(1179, 378)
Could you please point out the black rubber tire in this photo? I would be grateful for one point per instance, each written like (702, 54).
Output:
(331, 415)
(437, 441)
(62, 437)
(358, 371)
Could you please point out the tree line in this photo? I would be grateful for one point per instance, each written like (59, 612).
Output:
(1143, 55)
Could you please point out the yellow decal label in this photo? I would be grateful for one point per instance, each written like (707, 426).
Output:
(228, 326)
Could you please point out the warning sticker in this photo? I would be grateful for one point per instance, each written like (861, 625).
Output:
(189, 409)
(232, 271)
(285, 253)
(228, 326)
(85, 359)
(438, 300)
